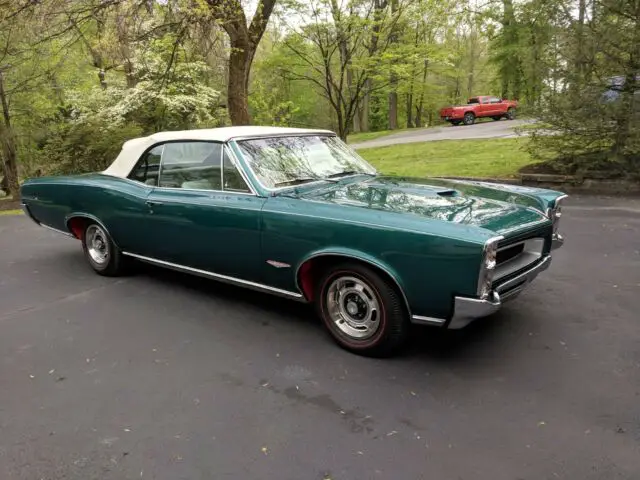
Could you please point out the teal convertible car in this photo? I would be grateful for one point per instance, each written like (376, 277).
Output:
(297, 213)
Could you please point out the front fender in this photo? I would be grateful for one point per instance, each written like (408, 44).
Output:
(349, 253)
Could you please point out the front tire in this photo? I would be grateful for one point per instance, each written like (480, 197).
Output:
(469, 118)
(362, 311)
(511, 113)
(100, 251)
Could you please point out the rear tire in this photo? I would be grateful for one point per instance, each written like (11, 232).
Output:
(100, 251)
(362, 311)
(469, 118)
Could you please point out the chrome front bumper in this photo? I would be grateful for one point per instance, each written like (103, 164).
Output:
(468, 309)
(557, 241)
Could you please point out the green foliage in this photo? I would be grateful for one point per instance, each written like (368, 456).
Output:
(169, 94)
(596, 124)
(80, 75)
(79, 147)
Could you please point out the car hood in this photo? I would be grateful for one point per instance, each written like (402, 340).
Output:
(440, 199)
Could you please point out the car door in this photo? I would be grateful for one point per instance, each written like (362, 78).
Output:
(202, 214)
(485, 107)
(495, 106)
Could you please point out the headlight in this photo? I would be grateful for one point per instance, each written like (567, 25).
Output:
(488, 267)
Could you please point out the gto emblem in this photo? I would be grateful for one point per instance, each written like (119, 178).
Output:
(275, 263)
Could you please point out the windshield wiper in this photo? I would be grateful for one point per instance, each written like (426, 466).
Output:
(347, 172)
(297, 181)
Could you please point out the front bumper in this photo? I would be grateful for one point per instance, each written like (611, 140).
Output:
(468, 309)
(557, 241)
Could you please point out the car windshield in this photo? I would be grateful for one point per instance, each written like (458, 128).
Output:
(294, 160)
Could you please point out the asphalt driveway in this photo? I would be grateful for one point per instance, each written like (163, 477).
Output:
(484, 129)
(164, 376)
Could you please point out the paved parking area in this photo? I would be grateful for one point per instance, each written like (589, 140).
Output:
(164, 376)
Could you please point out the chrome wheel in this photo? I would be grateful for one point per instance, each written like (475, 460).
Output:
(353, 307)
(97, 244)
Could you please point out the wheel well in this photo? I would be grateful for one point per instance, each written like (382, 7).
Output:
(311, 270)
(76, 225)
(469, 111)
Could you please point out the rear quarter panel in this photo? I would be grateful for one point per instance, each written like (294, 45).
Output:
(430, 260)
(117, 203)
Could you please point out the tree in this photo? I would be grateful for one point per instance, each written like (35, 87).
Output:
(332, 53)
(244, 40)
(8, 145)
(596, 111)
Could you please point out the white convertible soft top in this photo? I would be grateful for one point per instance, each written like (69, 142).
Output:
(134, 148)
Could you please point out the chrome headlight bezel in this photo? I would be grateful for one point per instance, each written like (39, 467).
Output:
(555, 213)
(487, 267)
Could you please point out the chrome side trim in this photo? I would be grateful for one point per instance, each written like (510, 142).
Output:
(420, 320)
(27, 212)
(217, 276)
(329, 254)
(66, 234)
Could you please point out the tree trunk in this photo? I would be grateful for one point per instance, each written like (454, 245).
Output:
(410, 110)
(357, 118)
(420, 105)
(243, 41)
(393, 78)
(8, 147)
(237, 86)
(366, 106)
(509, 69)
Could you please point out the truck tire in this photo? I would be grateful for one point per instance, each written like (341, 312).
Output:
(469, 118)
(511, 113)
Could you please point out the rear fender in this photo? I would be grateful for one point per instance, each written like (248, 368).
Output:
(77, 229)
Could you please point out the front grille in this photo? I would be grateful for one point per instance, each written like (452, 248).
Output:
(521, 251)
(509, 253)
(544, 231)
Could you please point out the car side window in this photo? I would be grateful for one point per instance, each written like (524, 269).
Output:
(232, 178)
(147, 168)
(191, 165)
(494, 100)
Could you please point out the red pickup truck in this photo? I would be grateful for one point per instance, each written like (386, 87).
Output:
(478, 107)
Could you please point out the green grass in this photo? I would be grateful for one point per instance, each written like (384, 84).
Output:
(10, 212)
(494, 158)
(364, 136)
